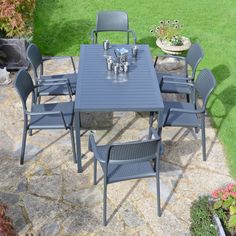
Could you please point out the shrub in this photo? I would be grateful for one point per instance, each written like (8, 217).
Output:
(6, 227)
(16, 17)
(202, 218)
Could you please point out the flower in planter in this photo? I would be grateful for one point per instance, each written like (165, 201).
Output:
(169, 30)
(225, 206)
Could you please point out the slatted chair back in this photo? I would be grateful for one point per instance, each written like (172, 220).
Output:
(35, 58)
(112, 21)
(24, 86)
(133, 152)
(204, 85)
(193, 58)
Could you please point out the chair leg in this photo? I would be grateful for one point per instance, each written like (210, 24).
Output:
(105, 203)
(73, 143)
(203, 139)
(39, 99)
(188, 98)
(158, 184)
(151, 118)
(23, 146)
(94, 171)
(30, 132)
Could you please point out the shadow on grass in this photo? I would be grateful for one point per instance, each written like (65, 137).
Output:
(64, 37)
(224, 98)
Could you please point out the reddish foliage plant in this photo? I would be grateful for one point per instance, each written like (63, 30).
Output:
(16, 17)
(6, 227)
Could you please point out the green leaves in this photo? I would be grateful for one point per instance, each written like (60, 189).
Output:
(232, 221)
(218, 204)
(232, 210)
(227, 203)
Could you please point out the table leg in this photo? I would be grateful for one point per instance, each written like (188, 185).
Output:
(160, 121)
(78, 144)
(159, 128)
(151, 119)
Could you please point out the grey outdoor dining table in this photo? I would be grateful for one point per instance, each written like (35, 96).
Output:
(99, 90)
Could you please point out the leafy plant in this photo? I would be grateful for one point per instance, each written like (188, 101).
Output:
(202, 218)
(169, 30)
(6, 227)
(16, 17)
(225, 206)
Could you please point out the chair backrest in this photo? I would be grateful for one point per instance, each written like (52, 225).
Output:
(34, 57)
(24, 85)
(112, 21)
(204, 85)
(133, 152)
(194, 56)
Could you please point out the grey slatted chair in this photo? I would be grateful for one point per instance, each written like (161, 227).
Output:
(112, 21)
(46, 89)
(126, 161)
(193, 58)
(42, 116)
(182, 114)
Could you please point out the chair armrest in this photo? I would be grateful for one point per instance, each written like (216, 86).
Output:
(61, 57)
(182, 81)
(93, 147)
(186, 84)
(183, 111)
(134, 35)
(48, 113)
(92, 35)
(154, 132)
(56, 82)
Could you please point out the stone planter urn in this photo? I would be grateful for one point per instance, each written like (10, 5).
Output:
(15, 51)
(166, 46)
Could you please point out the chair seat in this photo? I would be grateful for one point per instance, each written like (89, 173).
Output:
(60, 89)
(172, 88)
(180, 118)
(173, 77)
(52, 121)
(118, 172)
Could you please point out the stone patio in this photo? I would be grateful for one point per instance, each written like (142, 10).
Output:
(46, 196)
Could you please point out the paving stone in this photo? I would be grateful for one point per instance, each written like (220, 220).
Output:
(46, 186)
(9, 198)
(5, 144)
(22, 186)
(49, 172)
(15, 213)
(10, 174)
(40, 211)
(86, 197)
(30, 151)
(82, 220)
(49, 230)
(130, 216)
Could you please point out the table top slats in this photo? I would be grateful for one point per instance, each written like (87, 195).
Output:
(102, 90)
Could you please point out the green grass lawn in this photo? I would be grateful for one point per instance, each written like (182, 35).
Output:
(62, 25)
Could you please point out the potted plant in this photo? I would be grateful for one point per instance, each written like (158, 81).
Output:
(215, 214)
(224, 206)
(169, 38)
(15, 30)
